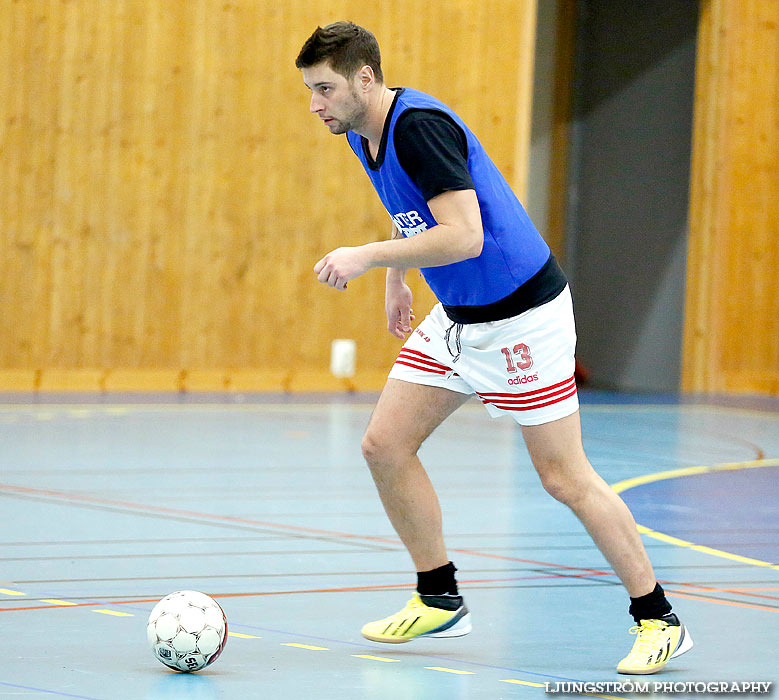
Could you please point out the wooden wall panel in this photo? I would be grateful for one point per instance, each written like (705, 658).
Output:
(164, 192)
(562, 116)
(732, 314)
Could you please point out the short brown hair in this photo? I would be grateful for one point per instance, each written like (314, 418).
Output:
(345, 46)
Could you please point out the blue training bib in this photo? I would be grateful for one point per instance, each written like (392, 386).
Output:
(513, 249)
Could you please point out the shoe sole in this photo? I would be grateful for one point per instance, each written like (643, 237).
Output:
(460, 629)
(685, 644)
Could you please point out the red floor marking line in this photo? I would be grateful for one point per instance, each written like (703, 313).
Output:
(737, 591)
(759, 451)
(678, 594)
(342, 589)
(215, 595)
(190, 513)
(597, 572)
(397, 586)
(76, 605)
(752, 588)
(76, 498)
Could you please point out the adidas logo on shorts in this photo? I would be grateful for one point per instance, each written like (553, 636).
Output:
(526, 379)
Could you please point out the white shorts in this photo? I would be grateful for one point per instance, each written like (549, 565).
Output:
(521, 366)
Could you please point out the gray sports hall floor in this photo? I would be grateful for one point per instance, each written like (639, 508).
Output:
(264, 503)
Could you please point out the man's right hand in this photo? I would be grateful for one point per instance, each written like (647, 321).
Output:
(397, 304)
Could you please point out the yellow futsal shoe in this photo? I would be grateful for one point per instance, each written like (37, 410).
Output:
(658, 642)
(420, 620)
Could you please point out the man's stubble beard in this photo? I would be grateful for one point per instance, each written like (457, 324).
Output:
(356, 118)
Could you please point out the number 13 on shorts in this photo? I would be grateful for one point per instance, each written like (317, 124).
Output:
(519, 353)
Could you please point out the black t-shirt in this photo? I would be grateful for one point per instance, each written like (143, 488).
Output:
(433, 151)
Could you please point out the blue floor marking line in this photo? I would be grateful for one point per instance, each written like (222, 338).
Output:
(362, 645)
(629, 442)
(366, 401)
(51, 692)
(359, 645)
(634, 482)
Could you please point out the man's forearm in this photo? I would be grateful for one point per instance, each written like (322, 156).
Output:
(439, 245)
(396, 274)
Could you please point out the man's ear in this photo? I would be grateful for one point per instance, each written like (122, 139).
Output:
(366, 77)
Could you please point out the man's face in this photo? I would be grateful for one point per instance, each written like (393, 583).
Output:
(334, 99)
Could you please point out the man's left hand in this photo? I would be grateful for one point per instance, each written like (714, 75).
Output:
(341, 265)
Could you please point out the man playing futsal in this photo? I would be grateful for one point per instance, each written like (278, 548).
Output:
(503, 330)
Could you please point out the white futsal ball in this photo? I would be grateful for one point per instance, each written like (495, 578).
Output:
(187, 630)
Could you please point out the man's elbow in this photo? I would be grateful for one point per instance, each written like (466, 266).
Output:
(474, 242)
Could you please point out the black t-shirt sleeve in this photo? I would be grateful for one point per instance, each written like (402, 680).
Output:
(433, 151)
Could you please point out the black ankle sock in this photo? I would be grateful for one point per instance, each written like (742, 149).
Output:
(651, 606)
(437, 582)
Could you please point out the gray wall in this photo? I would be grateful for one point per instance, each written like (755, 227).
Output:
(627, 223)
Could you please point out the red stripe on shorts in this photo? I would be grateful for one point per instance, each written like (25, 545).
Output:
(541, 395)
(540, 399)
(565, 396)
(531, 393)
(418, 360)
(416, 356)
(422, 367)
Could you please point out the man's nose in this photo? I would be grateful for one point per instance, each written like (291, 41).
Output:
(315, 106)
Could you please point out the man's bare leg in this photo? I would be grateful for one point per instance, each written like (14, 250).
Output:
(405, 415)
(566, 473)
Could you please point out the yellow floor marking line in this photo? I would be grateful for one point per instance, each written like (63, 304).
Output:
(8, 591)
(114, 613)
(450, 670)
(534, 685)
(626, 484)
(242, 636)
(377, 658)
(705, 550)
(55, 601)
(305, 646)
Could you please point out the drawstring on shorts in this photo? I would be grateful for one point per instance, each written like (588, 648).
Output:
(457, 345)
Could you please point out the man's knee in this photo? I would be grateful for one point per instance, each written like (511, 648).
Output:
(372, 447)
(379, 447)
(564, 484)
